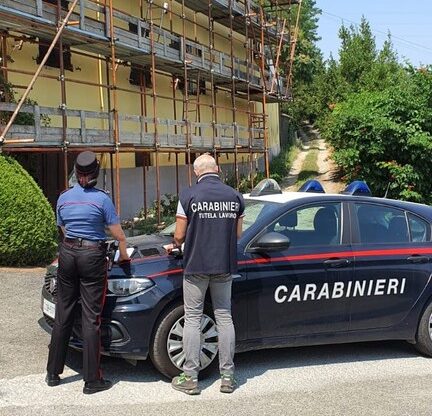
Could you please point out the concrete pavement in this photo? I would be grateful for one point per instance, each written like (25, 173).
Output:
(387, 378)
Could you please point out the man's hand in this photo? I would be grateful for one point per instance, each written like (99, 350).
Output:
(169, 247)
(124, 260)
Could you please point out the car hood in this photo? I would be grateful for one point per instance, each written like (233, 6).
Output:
(147, 245)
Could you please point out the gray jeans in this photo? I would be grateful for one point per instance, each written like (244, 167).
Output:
(194, 290)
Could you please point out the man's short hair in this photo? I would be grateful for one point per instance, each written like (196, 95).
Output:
(205, 163)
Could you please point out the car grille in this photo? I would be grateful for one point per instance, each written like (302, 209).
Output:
(49, 285)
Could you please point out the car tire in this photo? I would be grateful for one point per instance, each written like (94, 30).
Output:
(424, 332)
(167, 332)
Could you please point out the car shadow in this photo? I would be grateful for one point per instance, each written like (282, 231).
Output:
(252, 364)
(255, 363)
(117, 369)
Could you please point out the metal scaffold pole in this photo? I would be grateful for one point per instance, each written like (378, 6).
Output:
(115, 105)
(248, 76)
(156, 138)
(264, 96)
(63, 105)
(233, 92)
(143, 88)
(35, 76)
(186, 94)
(293, 45)
(212, 86)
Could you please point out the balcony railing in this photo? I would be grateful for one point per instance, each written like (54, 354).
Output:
(134, 44)
(95, 129)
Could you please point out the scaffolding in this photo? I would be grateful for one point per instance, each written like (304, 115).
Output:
(151, 44)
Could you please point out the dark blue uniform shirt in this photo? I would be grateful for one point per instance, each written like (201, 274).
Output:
(85, 212)
(212, 210)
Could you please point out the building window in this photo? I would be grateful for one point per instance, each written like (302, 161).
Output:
(135, 76)
(194, 50)
(64, 4)
(133, 28)
(192, 86)
(193, 156)
(142, 159)
(54, 58)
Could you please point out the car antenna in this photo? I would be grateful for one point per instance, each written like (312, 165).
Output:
(387, 189)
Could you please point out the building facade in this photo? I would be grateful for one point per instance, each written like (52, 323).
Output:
(147, 84)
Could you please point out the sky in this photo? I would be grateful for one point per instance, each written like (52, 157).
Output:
(409, 22)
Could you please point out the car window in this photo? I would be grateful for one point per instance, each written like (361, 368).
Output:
(255, 210)
(169, 229)
(311, 225)
(379, 224)
(419, 229)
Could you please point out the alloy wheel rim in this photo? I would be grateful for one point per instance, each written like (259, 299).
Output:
(209, 342)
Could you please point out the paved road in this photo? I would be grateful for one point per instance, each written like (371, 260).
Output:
(358, 379)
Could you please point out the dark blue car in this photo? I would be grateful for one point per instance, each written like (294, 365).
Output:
(314, 269)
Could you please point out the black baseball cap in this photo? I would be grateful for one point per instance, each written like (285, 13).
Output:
(86, 162)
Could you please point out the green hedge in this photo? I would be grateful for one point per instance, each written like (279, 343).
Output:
(28, 233)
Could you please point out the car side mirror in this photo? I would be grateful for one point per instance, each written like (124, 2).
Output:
(270, 242)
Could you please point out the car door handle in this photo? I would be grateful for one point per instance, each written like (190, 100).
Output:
(238, 277)
(418, 259)
(336, 262)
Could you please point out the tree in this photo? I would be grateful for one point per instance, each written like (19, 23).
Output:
(308, 58)
(385, 137)
(357, 53)
(308, 63)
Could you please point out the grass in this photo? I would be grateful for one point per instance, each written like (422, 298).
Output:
(309, 168)
(281, 164)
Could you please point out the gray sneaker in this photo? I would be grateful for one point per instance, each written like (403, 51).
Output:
(228, 383)
(186, 384)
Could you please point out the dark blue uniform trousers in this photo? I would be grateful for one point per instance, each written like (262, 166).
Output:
(82, 273)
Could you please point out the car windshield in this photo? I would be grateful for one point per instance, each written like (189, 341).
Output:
(168, 230)
(253, 210)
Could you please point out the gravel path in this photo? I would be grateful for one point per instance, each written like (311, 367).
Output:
(327, 168)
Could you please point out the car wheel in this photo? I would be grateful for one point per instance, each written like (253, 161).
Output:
(166, 351)
(424, 332)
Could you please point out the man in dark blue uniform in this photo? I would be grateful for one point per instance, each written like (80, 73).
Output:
(209, 221)
(82, 213)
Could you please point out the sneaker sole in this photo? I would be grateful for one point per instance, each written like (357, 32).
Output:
(191, 392)
(227, 389)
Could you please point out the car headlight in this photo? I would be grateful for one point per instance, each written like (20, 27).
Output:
(127, 287)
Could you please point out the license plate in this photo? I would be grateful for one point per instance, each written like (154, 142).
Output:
(49, 308)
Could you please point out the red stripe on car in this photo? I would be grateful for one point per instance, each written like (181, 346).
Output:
(358, 253)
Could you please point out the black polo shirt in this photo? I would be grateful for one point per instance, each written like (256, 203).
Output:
(212, 210)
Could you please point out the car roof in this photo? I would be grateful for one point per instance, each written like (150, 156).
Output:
(285, 197)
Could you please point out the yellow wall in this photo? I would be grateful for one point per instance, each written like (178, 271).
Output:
(85, 97)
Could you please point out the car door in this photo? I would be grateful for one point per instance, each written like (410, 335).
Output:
(390, 269)
(300, 290)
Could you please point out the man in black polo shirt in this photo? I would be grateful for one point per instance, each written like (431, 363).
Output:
(208, 221)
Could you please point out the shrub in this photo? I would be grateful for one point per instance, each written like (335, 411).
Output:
(385, 137)
(147, 220)
(7, 94)
(28, 233)
(280, 166)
